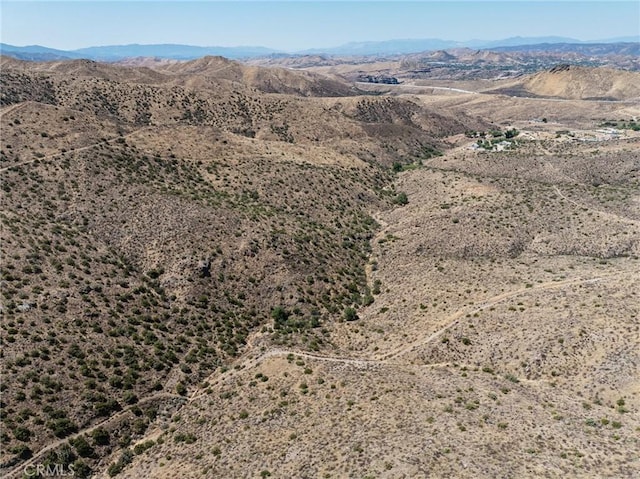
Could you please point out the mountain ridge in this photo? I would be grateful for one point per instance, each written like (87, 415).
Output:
(190, 52)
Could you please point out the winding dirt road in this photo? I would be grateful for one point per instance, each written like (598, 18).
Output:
(18, 471)
(390, 359)
(615, 216)
(454, 319)
(76, 150)
(249, 360)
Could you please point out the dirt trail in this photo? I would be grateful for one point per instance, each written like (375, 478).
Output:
(454, 318)
(617, 217)
(390, 359)
(13, 108)
(19, 470)
(250, 360)
(76, 150)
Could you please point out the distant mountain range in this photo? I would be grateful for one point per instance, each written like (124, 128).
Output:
(119, 52)
(188, 52)
(395, 47)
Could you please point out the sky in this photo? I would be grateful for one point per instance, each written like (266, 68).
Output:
(297, 25)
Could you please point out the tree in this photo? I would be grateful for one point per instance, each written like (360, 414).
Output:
(81, 469)
(512, 133)
(62, 427)
(22, 433)
(181, 389)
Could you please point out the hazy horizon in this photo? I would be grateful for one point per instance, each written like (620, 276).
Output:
(294, 26)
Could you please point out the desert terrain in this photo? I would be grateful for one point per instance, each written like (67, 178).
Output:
(213, 269)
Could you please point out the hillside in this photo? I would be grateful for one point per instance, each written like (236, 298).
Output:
(204, 73)
(579, 83)
(463, 63)
(218, 270)
(151, 226)
(268, 80)
(501, 340)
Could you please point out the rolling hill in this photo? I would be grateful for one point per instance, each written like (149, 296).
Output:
(154, 220)
(211, 269)
(579, 83)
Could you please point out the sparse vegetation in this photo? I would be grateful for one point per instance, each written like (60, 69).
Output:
(182, 263)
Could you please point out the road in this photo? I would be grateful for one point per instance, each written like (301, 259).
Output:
(416, 89)
(614, 216)
(12, 108)
(455, 318)
(18, 471)
(250, 360)
(76, 150)
(390, 359)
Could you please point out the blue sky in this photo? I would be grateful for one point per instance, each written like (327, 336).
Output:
(296, 25)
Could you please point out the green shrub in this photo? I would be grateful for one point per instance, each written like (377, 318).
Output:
(512, 133)
(81, 469)
(22, 433)
(107, 407)
(350, 314)
(181, 389)
(280, 316)
(22, 451)
(62, 427)
(142, 447)
(82, 447)
(186, 438)
(117, 467)
(401, 199)
(100, 436)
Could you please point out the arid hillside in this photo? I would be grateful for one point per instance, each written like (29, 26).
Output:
(502, 340)
(580, 83)
(204, 73)
(151, 226)
(214, 270)
(463, 64)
